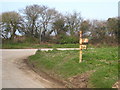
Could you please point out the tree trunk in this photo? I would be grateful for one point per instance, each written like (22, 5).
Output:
(40, 36)
(13, 34)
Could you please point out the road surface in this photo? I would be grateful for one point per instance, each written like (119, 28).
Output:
(16, 74)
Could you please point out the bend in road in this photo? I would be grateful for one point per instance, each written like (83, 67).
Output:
(16, 74)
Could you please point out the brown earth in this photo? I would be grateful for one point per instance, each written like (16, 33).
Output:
(78, 81)
(41, 73)
(116, 85)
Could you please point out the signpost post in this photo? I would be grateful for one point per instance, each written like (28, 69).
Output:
(82, 41)
(80, 58)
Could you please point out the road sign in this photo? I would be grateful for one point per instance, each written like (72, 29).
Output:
(84, 40)
(83, 47)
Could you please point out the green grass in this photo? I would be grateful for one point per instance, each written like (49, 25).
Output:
(30, 45)
(65, 64)
(27, 45)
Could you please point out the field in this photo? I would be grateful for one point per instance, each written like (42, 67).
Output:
(99, 68)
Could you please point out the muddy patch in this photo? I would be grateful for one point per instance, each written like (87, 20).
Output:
(80, 81)
(116, 85)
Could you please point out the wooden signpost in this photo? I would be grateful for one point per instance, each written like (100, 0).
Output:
(82, 41)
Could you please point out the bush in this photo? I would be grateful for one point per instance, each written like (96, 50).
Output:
(31, 40)
(68, 39)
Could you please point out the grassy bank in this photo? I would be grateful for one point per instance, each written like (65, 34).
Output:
(102, 62)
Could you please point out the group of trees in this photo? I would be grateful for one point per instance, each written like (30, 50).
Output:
(104, 32)
(48, 25)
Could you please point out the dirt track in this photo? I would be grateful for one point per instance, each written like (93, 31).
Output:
(16, 74)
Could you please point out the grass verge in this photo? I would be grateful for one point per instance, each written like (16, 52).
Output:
(64, 65)
(26, 45)
(30, 45)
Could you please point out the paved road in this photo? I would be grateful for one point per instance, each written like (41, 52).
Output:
(16, 74)
(46, 49)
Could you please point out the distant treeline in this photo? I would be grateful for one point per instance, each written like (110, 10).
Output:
(46, 24)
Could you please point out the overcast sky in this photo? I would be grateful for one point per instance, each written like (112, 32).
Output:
(89, 9)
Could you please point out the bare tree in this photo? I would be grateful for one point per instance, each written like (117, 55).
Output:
(38, 20)
(112, 25)
(98, 31)
(48, 16)
(31, 15)
(73, 22)
(10, 23)
(59, 26)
